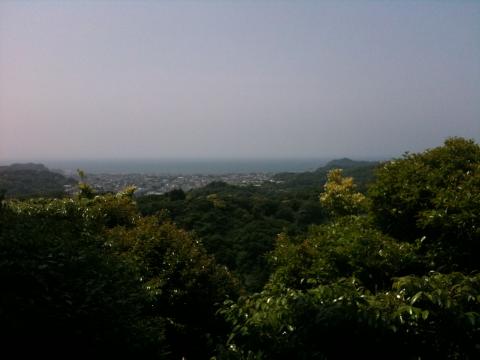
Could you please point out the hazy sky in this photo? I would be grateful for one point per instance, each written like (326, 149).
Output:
(155, 79)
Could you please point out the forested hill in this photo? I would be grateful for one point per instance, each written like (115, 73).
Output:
(325, 273)
(346, 163)
(361, 171)
(31, 180)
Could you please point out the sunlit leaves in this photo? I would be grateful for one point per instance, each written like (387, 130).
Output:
(348, 247)
(340, 196)
(430, 316)
(435, 194)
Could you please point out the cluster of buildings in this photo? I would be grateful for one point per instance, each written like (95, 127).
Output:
(151, 184)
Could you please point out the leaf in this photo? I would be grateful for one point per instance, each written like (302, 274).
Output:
(425, 314)
(472, 317)
(415, 297)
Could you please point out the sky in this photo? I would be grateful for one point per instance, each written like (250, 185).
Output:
(229, 79)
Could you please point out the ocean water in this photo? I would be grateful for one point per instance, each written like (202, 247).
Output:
(186, 166)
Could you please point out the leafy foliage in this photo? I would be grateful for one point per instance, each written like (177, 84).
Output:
(434, 195)
(393, 274)
(347, 287)
(348, 247)
(432, 317)
(239, 225)
(185, 286)
(91, 276)
(63, 288)
(340, 197)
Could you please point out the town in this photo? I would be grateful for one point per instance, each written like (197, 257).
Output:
(156, 184)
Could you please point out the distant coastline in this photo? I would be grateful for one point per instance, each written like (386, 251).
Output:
(183, 166)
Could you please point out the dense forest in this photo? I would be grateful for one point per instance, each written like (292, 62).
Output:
(375, 260)
(239, 225)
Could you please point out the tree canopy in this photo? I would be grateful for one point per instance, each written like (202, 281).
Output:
(229, 272)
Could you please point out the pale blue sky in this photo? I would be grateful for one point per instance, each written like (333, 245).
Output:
(153, 79)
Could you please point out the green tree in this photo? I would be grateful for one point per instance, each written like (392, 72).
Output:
(64, 292)
(347, 285)
(184, 283)
(427, 317)
(340, 197)
(433, 195)
(348, 247)
(90, 277)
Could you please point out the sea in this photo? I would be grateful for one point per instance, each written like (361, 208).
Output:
(184, 166)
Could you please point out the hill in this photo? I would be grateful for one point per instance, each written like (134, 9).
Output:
(32, 180)
(361, 171)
